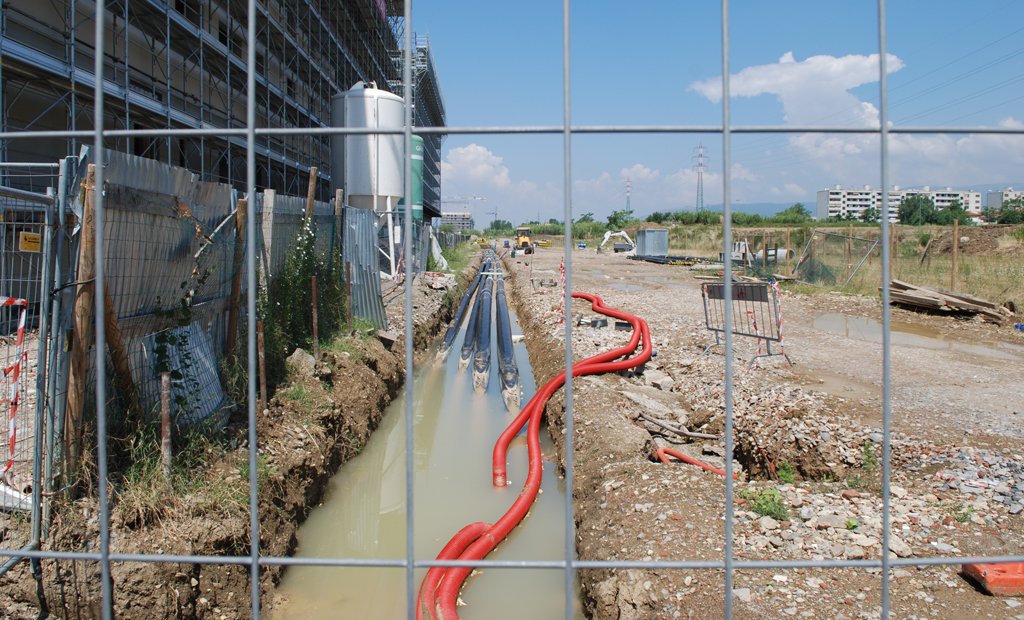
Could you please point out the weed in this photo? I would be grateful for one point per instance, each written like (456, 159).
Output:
(768, 503)
(852, 524)
(1018, 233)
(786, 472)
(959, 513)
(868, 457)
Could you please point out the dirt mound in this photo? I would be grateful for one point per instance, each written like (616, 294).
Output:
(979, 240)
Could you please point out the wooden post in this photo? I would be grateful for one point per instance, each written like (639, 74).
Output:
(311, 192)
(237, 263)
(348, 294)
(263, 365)
(787, 252)
(765, 242)
(892, 252)
(165, 425)
(81, 338)
(316, 339)
(956, 250)
(119, 355)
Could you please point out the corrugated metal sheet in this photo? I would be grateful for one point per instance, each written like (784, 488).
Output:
(359, 247)
(652, 242)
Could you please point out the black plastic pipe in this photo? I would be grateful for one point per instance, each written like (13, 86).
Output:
(482, 347)
(508, 371)
(453, 330)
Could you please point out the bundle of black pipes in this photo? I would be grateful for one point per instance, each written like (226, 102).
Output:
(482, 344)
(453, 330)
(508, 371)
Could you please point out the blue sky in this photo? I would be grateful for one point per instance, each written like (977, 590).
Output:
(653, 62)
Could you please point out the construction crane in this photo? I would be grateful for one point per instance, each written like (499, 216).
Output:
(462, 200)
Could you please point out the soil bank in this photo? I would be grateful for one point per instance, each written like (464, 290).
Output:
(310, 428)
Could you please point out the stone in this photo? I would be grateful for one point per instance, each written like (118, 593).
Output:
(850, 494)
(876, 437)
(898, 492)
(827, 521)
(742, 593)
(1015, 508)
(806, 513)
(836, 550)
(768, 523)
(855, 552)
(789, 611)
(301, 363)
(658, 379)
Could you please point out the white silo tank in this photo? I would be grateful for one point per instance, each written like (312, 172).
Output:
(369, 168)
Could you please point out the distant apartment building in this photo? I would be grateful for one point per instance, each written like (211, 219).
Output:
(461, 221)
(995, 200)
(839, 202)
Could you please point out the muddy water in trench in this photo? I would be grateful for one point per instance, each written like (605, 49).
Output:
(364, 513)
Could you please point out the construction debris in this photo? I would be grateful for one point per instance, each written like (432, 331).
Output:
(946, 301)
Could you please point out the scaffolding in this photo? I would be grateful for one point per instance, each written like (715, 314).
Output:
(182, 65)
(428, 111)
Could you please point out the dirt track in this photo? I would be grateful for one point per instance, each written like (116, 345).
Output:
(957, 445)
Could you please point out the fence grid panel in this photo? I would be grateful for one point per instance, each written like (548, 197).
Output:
(250, 132)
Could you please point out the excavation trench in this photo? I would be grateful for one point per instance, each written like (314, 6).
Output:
(364, 514)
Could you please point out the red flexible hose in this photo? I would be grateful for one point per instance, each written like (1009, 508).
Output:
(447, 591)
(664, 453)
(452, 550)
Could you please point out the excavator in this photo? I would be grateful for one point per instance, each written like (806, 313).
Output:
(629, 246)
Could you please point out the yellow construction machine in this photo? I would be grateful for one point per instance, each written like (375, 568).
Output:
(523, 241)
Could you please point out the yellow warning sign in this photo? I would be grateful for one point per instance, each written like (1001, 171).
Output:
(29, 242)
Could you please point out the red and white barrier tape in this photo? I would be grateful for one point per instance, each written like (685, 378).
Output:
(14, 371)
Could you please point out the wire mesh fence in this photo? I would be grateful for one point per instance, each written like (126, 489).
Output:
(832, 261)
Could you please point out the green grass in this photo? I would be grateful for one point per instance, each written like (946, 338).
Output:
(459, 256)
(852, 524)
(768, 503)
(145, 497)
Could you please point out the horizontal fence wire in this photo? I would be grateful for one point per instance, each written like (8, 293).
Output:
(137, 294)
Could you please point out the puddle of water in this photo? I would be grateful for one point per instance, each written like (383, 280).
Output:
(364, 514)
(626, 287)
(861, 328)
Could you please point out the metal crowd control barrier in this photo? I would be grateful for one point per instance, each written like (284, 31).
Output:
(755, 314)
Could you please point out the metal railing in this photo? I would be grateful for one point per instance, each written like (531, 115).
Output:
(569, 565)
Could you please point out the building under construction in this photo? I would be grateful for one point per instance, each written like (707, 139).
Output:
(182, 65)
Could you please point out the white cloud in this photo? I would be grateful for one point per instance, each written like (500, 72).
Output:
(815, 90)
(639, 172)
(474, 169)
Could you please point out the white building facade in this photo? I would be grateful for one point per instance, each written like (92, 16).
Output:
(461, 221)
(839, 202)
(994, 200)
